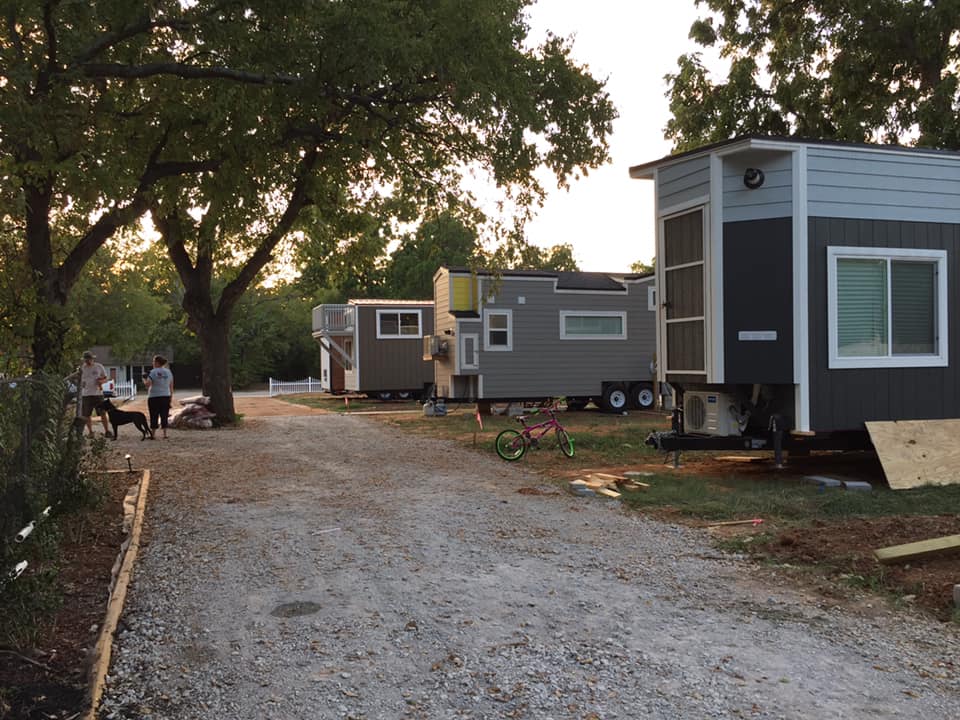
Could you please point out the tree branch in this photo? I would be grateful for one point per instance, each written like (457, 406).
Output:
(299, 199)
(43, 79)
(144, 25)
(188, 72)
(15, 39)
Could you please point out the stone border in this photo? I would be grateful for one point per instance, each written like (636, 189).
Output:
(100, 658)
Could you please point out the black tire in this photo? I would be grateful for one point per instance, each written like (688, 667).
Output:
(576, 404)
(642, 396)
(566, 442)
(511, 445)
(615, 398)
(385, 396)
(405, 395)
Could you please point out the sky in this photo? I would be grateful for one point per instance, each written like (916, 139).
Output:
(607, 217)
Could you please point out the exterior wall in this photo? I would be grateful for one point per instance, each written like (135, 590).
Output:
(758, 298)
(773, 199)
(541, 364)
(444, 324)
(683, 182)
(391, 364)
(844, 399)
(855, 182)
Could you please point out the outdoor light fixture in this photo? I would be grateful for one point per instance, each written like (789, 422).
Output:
(753, 178)
(129, 464)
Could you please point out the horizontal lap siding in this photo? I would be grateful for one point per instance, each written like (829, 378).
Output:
(773, 199)
(443, 321)
(541, 364)
(845, 399)
(683, 182)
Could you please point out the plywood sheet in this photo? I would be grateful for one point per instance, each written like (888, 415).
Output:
(918, 452)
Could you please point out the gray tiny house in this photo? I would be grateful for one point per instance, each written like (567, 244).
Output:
(807, 284)
(531, 334)
(378, 343)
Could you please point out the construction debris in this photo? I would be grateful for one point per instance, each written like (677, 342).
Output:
(921, 549)
(753, 521)
(605, 484)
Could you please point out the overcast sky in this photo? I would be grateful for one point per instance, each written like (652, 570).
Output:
(607, 217)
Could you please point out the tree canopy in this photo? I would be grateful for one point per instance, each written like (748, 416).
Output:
(855, 70)
(237, 124)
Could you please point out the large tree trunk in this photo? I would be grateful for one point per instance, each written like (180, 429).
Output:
(214, 336)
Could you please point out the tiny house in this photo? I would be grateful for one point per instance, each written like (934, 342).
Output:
(534, 334)
(378, 346)
(807, 285)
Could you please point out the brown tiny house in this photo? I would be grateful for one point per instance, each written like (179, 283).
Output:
(378, 344)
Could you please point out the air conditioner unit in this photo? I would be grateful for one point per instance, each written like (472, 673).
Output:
(434, 345)
(710, 413)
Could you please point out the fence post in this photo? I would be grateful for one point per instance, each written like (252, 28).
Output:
(270, 388)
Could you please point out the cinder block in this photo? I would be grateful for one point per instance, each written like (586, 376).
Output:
(858, 485)
(823, 481)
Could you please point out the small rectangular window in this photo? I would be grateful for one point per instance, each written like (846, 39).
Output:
(593, 325)
(498, 330)
(392, 324)
(887, 307)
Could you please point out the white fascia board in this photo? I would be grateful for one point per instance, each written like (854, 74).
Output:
(713, 254)
(801, 293)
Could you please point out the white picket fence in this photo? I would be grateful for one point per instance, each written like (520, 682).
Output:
(122, 390)
(293, 387)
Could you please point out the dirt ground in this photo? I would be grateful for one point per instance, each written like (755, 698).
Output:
(50, 679)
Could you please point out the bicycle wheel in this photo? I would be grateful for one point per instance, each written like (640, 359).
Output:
(566, 442)
(511, 445)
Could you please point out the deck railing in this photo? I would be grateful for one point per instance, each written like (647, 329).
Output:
(333, 318)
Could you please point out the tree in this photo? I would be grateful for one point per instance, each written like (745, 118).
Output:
(228, 120)
(442, 240)
(516, 253)
(642, 268)
(859, 70)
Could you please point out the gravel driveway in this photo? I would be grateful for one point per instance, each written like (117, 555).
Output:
(329, 567)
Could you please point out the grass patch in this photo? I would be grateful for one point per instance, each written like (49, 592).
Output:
(339, 404)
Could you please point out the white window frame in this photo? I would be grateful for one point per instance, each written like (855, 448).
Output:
(652, 298)
(487, 347)
(564, 314)
(398, 312)
(939, 359)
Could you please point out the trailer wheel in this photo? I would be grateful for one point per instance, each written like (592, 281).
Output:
(642, 396)
(576, 404)
(405, 395)
(385, 395)
(614, 398)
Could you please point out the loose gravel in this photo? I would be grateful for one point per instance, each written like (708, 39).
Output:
(331, 567)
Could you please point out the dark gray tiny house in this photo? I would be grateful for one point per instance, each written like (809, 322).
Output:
(816, 282)
(378, 343)
(532, 334)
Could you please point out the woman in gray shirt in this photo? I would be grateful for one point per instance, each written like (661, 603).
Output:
(159, 382)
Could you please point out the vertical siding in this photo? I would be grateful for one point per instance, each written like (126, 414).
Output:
(683, 182)
(758, 296)
(845, 399)
(853, 182)
(391, 364)
(541, 364)
(773, 199)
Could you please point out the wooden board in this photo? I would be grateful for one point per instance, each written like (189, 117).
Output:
(608, 476)
(924, 548)
(918, 452)
(608, 492)
(741, 458)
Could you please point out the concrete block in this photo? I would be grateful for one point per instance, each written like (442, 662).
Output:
(857, 485)
(823, 481)
(956, 596)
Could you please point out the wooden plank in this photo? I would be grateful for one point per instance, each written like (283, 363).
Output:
(100, 662)
(741, 458)
(754, 521)
(917, 452)
(923, 548)
(608, 492)
(608, 476)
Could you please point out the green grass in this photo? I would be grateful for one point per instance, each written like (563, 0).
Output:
(784, 499)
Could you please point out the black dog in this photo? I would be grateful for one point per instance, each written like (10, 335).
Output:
(121, 417)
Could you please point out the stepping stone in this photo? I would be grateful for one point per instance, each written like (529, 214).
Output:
(858, 485)
(823, 480)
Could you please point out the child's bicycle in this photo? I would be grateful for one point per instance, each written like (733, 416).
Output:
(512, 444)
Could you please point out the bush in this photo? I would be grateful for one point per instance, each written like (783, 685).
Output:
(42, 461)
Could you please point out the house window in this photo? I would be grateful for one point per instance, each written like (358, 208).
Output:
(348, 352)
(887, 307)
(592, 325)
(498, 330)
(393, 324)
(652, 298)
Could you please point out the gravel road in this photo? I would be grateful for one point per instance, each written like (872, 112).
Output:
(330, 567)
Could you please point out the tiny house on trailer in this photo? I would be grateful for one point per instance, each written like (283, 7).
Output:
(533, 334)
(806, 286)
(378, 344)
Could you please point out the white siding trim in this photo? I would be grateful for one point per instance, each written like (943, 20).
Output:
(681, 207)
(661, 359)
(713, 253)
(487, 312)
(801, 294)
(941, 359)
(564, 314)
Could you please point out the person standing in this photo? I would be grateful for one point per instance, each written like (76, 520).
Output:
(159, 382)
(92, 377)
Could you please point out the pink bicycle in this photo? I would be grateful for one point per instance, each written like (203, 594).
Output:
(512, 444)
